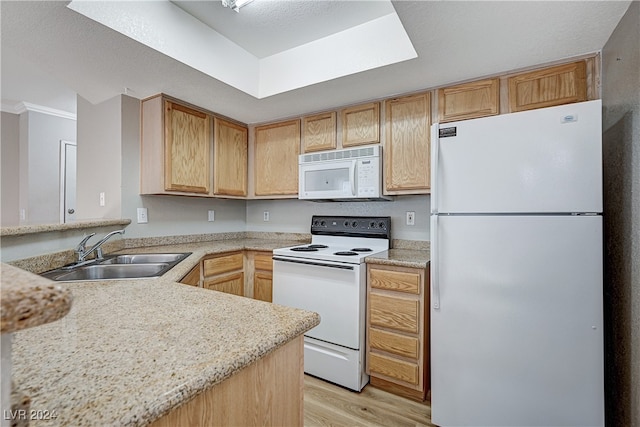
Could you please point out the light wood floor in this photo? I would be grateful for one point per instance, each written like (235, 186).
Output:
(327, 404)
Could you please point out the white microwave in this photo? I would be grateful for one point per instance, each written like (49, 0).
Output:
(350, 174)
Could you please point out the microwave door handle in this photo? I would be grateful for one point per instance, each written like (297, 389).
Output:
(354, 167)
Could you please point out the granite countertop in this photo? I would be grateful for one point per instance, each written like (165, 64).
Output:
(130, 351)
(29, 300)
(413, 258)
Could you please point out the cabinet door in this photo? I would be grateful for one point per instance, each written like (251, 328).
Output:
(563, 84)
(230, 284)
(187, 149)
(361, 124)
(319, 132)
(193, 277)
(277, 147)
(230, 145)
(406, 149)
(469, 100)
(263, 286)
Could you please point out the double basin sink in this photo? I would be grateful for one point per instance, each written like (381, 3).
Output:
(124, 266)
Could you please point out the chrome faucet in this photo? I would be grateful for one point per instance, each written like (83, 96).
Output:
(83, 252)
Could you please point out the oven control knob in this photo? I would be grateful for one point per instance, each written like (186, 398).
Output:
(372, 224)
(354, 224)
(316, 223)
(346, 223)
(323, 223)
(381, 225)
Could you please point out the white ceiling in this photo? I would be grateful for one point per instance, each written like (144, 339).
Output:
(49, 52)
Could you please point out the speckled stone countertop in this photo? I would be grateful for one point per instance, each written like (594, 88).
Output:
(401, 258)
(29, 300)
(21, 230)
(130, 351)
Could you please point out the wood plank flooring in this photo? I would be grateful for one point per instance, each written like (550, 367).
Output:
(327, 404)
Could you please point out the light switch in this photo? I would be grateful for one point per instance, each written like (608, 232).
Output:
(211, 216)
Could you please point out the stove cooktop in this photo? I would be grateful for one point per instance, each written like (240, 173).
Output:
(344, 239)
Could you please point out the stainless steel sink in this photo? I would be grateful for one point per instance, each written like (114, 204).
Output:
(122, 266)
(143, 258)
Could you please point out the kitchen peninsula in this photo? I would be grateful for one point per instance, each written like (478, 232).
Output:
(136, 352)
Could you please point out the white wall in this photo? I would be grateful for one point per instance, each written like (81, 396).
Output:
(99, 159)
(295, 215)
(10, 169)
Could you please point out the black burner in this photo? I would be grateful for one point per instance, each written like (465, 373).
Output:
(304, 249)
(361, 249)
(318, 246)
(345, 253)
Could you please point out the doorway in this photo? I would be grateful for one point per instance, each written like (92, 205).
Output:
(67, 181)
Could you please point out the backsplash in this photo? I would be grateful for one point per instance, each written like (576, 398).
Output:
(294, 216)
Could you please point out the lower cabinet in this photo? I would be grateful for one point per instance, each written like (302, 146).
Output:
(224, 273)
(231, 272)
(263, 276)
(398, 330)
(193, 277)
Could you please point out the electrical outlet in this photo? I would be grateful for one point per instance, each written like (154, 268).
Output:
(211, 216)
(265, 216)
(142, 216)
(411, 218)
(102, 198)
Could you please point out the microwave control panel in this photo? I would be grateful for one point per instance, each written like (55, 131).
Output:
(368, 179)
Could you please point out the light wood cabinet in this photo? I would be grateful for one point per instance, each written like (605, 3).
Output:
(175, 148)
(277, 147)
(193, 277)
(230, 148)
(469, 100)
(361, 124)
(562, 84)
(319, 132)
(263, 276)
(269, 392)
(398, 330)
(224, 273)
(407, 144)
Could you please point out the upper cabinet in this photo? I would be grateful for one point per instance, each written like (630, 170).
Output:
(469, 100)
(276, 151)
(319, 132)
(230, 146)
(176, 149)
(562, 84)
(361, 124)
(406, 146)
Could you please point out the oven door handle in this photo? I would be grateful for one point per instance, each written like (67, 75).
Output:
(317, 263)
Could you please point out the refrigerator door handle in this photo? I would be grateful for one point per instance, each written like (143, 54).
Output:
(435, 279)
(434, 167)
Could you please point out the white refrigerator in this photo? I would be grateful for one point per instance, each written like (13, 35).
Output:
(516, 269)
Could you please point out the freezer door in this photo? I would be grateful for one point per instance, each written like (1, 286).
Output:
(546, 160)
(517, 338)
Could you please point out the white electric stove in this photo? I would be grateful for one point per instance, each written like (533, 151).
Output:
(328, 276)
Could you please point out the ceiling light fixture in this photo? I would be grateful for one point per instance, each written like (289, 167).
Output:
(235, 4)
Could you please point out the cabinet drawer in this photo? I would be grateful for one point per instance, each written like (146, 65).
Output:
(222, 264)
(263, 261)
(398, 369)
(394, 313)
(395, 280)
(394, 343)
